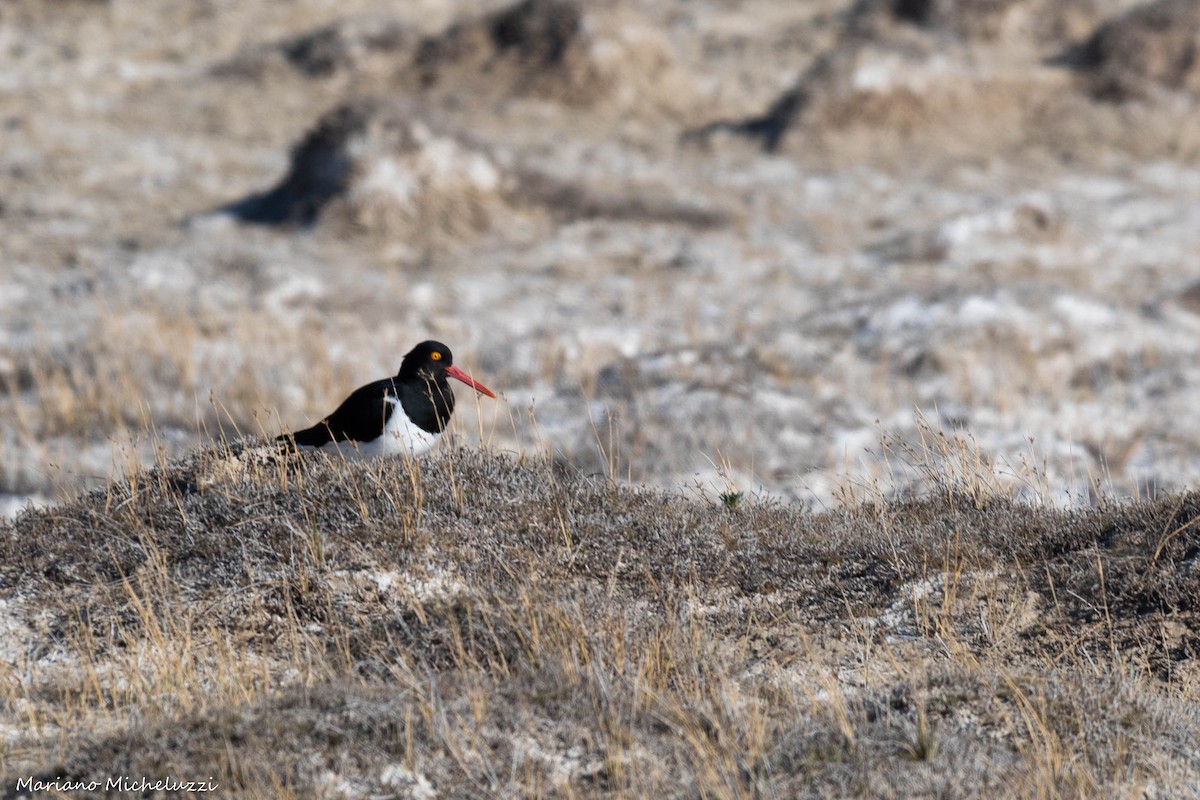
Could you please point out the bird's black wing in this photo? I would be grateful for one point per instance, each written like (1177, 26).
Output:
(360, 418)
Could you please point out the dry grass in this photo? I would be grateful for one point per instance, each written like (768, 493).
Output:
(155, 372)
(482, 625)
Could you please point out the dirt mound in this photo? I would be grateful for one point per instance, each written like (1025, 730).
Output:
(549, 49)
(1139, 54)
(371, 167)
(534, 48)
(877, 100)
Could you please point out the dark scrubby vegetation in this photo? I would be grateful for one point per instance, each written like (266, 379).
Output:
(479, 624)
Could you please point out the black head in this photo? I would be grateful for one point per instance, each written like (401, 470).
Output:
(428, 358)
(433, 362)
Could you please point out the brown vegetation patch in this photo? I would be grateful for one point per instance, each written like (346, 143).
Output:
(570, 201)
(1189, 297)
(535, 47)
(348, 45)
(981, 19)
(554, 50)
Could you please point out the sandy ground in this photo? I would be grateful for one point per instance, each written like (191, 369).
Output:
(704, 245)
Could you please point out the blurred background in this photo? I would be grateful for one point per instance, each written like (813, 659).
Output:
(798, 247)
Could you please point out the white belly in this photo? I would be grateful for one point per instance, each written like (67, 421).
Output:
(400, 438)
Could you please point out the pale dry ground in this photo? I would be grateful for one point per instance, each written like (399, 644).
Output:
(955, 230)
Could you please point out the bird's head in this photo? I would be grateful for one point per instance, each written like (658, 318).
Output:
(431, 360)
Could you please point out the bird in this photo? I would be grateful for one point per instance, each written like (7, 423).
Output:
(404, 415)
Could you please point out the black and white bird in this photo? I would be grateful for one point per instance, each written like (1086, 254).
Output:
(403, 415)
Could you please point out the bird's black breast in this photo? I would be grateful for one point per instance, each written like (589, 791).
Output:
(428, 403)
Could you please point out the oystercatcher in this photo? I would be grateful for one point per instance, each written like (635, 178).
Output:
(404, 415)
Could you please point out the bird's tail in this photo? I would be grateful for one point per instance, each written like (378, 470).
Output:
(315, 436)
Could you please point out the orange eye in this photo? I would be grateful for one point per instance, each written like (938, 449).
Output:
(436, 356)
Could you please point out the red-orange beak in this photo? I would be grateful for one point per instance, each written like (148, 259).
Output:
(458, 374)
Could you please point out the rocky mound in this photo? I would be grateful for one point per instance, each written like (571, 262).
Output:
(371, 166)
(1152, 49)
